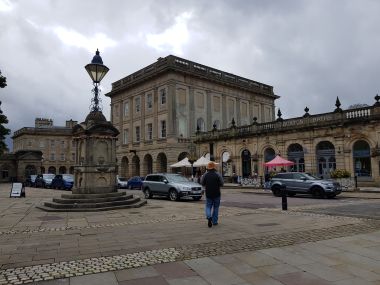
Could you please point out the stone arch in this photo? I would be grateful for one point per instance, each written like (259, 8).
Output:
(135, 166)
(296, 154)
(246, 163)
(30, 170)
(162, 162)
(124, 169)
(62, 170)
(148, 164)
(361, 155)
(182, 155)
(325, 156)
(52, 170)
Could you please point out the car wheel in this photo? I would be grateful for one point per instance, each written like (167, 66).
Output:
(147, 193)
(197, 198)
(173, 195)
(276, 191)
(317, 192)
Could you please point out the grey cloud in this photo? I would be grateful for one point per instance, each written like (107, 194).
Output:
(310, 51)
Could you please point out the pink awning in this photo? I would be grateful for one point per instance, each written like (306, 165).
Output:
(278, 161)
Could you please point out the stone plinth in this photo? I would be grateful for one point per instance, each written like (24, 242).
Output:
(95, 169)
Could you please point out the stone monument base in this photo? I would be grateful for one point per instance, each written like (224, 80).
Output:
(92, 202)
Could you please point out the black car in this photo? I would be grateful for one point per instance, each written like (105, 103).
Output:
(44, 180)
(63, 181)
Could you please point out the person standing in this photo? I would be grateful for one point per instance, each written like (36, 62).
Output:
(212, 181)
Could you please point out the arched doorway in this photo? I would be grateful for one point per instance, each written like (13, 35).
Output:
(124, 169)
(226, 164)
(30, 170)
(52, 170)
(148, 164)
(325, 152)
(162, 162)
(71, 171)
(246, 163)
(269, 154)
(42, 170)
(62, 170)
(135, 166)
(182, 155)
(362, 159)
(296, 154)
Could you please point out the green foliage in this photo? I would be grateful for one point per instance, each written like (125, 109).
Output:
(3, 81)
(340, 173)
(3, 120)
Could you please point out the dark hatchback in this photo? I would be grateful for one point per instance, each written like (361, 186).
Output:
(63, 181)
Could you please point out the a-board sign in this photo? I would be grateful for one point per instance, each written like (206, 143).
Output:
(17, 190)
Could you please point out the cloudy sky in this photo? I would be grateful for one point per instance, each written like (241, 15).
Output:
(311, 51)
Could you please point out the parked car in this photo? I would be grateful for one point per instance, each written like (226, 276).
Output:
(63, 181)
(135, 182)
(44, 180)
(121, 182)
(30, 180)
(300, 182)
(173, 186)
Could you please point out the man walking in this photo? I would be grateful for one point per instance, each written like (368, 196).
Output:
(212, 181)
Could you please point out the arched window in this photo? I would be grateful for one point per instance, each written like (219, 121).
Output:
(216, 124)
(226, 164)
(162, 162)
(201, 125)
(362, 159)
(325, 152)
(246, 163)
(296, 154)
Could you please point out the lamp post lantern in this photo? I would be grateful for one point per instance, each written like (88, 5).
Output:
(97, 70)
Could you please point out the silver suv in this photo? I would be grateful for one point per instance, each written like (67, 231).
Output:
(300, 182)
(173, 186)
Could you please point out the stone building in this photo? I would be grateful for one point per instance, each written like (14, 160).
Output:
(318, 144)
(158, 109)
(54, 142)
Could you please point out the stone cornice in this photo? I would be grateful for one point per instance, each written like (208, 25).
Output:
(174, 63)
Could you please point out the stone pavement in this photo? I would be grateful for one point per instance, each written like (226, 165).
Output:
(169, 243)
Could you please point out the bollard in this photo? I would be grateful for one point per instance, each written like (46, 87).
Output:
(284, 198)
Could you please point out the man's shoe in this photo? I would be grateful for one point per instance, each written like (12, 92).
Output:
(209, 222)
(215, 224)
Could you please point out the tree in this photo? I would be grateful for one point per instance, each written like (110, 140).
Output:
(3, 81)
(3, 120)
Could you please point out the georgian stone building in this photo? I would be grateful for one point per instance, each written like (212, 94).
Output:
(54, 142)
(318, 144)
(159, 108)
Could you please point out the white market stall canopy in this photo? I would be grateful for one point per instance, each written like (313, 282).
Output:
(183, 163)
(202, 161)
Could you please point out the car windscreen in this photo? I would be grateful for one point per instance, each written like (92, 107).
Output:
(68, 177)
(309, 176)
(123, 179)
(48, 176)
(177, 178)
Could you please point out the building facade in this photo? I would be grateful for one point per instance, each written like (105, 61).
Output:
(318, 144)
(54, 142)
(158, 109)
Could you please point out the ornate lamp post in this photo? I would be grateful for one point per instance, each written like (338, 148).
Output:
(97, 70)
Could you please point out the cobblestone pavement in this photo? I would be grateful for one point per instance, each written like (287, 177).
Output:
(147, 245)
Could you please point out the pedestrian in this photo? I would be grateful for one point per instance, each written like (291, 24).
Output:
(212, 181)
